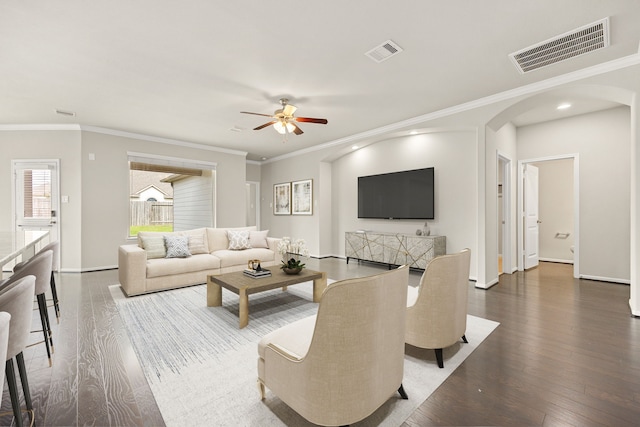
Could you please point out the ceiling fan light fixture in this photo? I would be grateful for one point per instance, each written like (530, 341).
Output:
(282, 127)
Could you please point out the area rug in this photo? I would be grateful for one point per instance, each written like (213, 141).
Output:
(202, 369)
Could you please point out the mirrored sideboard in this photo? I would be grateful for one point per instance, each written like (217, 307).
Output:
(394, 248)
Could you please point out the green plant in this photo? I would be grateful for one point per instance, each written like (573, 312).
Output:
(295, 247)
(292, 263)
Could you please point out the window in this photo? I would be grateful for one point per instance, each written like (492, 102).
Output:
(37, 193)
(170, 194)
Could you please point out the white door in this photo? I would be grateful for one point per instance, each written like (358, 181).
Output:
(36, 196)
(531, 220)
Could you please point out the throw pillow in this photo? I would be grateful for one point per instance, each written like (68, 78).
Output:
(258, 239)
(177, 246)
(154, 246)
(238, 239)
(197, 242)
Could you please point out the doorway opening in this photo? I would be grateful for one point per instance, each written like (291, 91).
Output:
(548, 229)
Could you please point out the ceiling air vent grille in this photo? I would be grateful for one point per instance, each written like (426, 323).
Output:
(574, 43)
(385, 51)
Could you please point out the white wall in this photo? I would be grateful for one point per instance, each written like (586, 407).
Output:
(105, 181)
(505, 145)
(602, 141)
(451, 153)
(43, 144)
(307, 227)
(555, 209)
(95, 220)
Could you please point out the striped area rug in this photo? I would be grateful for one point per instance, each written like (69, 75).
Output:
(202, 369)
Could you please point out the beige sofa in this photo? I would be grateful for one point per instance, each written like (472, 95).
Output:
(142, 269)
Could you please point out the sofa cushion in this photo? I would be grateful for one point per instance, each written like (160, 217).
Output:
(177, 246)
(174, 266)
(238, 240)
(218, 237)
(258, 239)
(230, 258)
(143, 234)
(153, 245)
(197, 241)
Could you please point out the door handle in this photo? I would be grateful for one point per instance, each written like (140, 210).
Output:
(539, 222)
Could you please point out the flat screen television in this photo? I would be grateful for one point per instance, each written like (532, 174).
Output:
(397, 195)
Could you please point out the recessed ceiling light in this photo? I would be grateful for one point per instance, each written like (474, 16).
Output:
(564, 106)
(235, 129)
(263, 158)
(414, 132)
(354, 147)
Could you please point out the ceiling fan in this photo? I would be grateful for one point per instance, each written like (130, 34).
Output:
(283, 120)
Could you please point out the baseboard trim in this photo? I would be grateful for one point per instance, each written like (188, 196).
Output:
(606, 279)
(88, 270)
(557, 260)
(635, 313)
(486, 285)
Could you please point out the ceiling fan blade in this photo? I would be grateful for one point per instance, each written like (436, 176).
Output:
(311, 120)
(296, 129)
(288, 110)
(256, 114)
(265, 125)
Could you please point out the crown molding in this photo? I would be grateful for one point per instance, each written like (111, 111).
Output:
(120, 133)
(39, 127)
(606, 67)
(140, 136)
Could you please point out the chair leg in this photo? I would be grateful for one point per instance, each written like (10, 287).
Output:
(23, 379)
(261, 389)
(13, 391)
(42, 305)
(46, 319)
(439, 357)
(403, 393)
(54, 294)
(464, 339)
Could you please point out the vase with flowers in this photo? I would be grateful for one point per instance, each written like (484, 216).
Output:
(291, 250)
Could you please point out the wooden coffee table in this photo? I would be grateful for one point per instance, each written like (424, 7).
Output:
(243, 286)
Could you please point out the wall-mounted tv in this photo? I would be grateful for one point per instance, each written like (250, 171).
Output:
(397, 195)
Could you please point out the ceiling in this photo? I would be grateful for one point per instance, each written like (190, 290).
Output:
(185, 70)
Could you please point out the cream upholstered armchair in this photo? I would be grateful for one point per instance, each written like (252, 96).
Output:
(437, 308)
(339, 366)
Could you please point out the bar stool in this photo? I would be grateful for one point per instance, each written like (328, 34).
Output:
(5, 319)
(39, 266)
(55, 266)
(16, 298)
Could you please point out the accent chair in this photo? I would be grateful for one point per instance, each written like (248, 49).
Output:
(437, 308)
(339, 366)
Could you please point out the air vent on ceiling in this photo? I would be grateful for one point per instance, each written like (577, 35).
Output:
(385, 51)
(574, 43)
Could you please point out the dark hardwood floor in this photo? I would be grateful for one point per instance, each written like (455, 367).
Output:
(567, 352)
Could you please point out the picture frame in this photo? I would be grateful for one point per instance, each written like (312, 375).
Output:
(282, 198)
(302, 197)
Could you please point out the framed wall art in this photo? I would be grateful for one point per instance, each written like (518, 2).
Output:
(302, 197)
(282, 199)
